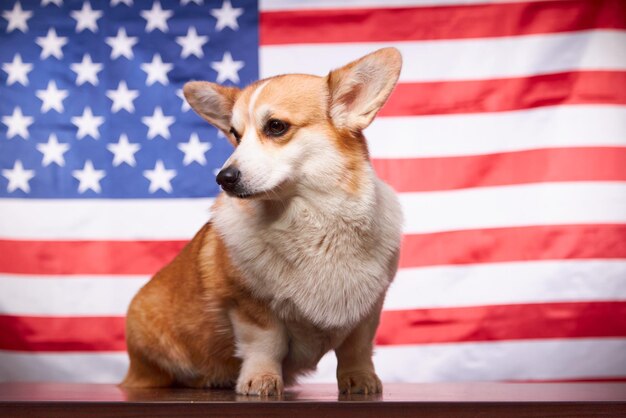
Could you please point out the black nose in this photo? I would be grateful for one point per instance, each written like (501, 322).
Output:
(228, 177)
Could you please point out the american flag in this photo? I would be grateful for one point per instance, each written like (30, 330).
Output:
(505, 139)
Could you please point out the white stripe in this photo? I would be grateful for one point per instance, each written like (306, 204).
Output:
(521, 205)
(428, 287)
(486, 207)
(486, 133)
(508, 283)
(505, 360)
(276, 5)
(117, 219)
(464, 59)
(63, 367)
(68, 295)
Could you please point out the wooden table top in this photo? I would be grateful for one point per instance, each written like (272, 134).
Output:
(437, 399)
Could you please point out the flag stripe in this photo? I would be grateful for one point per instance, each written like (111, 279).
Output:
(73, 333)
(106, 219)
(62, 295)
(425, 287)
(524, 359)
(550, 242)
(417, 326)
(517, 205)
(490, 133)
(534, 359)
(431, 211)
(488, 58)
(86, 257)
(434, 23)
(502, 283)
(497, 95)
(533, 166)
(273, 5)
(492, 245)
(104, 367)
(502, 322)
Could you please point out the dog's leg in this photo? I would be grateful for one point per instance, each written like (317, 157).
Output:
(262, 347)
(355, 369)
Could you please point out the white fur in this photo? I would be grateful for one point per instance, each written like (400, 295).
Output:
(261, 349)
(325, 259)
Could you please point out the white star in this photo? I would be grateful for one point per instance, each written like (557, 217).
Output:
(51, 44)
(185, 2)
(17, 18)
(185, 107)
(156, 18)
(192, 43)
(158, 124)
(86, 71)
(53, 151)
(17, 124)
(121, 44)
(123, 151)
(226, 16)
(122, 98)
(18, 177)
(126, 2)
(52, 98)
(89, 178)
(87, 124)
(160, 178)
(227, 69)
(86, 18)
(194, 150)
(156, 71)
(56, 2)
(17, 71)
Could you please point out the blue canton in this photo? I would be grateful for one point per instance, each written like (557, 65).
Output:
(91, 95)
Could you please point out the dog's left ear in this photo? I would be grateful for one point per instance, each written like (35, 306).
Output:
(213, 102)
(358, 90)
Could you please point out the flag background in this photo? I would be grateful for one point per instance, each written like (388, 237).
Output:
(505, 138)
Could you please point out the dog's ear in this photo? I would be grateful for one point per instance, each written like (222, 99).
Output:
(213, 102)
(358, 90)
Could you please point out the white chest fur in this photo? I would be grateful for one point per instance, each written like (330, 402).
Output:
(326, 260)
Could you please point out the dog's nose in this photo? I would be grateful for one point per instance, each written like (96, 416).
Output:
(228, 177)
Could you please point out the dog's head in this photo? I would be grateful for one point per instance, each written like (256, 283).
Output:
(298, 131)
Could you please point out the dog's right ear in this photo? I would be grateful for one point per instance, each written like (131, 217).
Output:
(213, 102)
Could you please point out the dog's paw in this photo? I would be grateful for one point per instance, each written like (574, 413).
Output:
(265, 384)
(364, 382)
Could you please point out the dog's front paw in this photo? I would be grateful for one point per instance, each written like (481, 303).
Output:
(365, 382)
(264, 384)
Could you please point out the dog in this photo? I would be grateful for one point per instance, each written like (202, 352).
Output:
(302, 244)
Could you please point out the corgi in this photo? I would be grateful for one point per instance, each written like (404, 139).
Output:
(302, 244)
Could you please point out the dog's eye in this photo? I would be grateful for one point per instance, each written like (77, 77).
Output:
(235, 134)
(275, 127)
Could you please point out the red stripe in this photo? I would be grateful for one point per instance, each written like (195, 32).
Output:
(497, 95)
(34, 333)
(503, 322)
(493, 245)
(86, 257)
(521, 167)
(439, 22)
(419, 326)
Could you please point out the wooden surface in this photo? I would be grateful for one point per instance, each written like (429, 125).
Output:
(398, 400)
